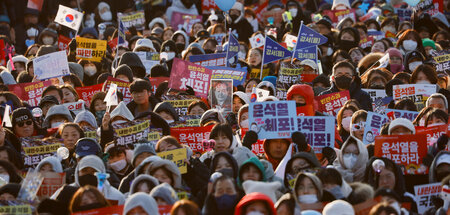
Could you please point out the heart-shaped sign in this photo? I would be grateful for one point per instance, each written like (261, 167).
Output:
(208, 145)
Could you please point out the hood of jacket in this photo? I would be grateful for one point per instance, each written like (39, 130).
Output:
(54, 161)
(86, 116)
(15, 59)
(240, 7)
(167, 107)
(242, 96)
(230, 160)
(251, 198)
(306, 92)
(441, 157)
(170, 166)
(140, 178)
(92, 161)
(371, 177)
(255, 162)
(165, 192)
(268, 156)
(267, 84)
(299, 8)
(316, 181)
(313, 162)
(143, 200)
(54, 111)
(139, 169)
(7, 78)
(186, 37)
(77, 70)
(123, 111)
(359, 168)
(156, 20)
(133, 61)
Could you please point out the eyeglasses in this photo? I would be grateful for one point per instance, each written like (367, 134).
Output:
(28, 122)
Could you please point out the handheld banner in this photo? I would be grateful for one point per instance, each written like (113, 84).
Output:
(274, 51)
(374, 122)
(288, 75)
(218, 59)
(86, 93)
(375, 94)
(52, 182)
(116, 209)
(63, 42)
(128, 133)
(188, 74)
(177, 156)
(331, 103)
(34, 150)
(122, 86)
(394, 114)
(90, 49)
(424, 194)
(418, 93)
(51, 65)
(156, 81)
(221, 94)
(192, 137)
(136, 19)
(238, 75)
(319, 131)
(232, 50)
(30, 92)
(184, 21)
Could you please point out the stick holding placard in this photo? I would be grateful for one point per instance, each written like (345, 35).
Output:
(111, 97)
(6, 118)
(262, 60)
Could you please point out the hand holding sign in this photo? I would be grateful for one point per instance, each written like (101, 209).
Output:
(111, 97)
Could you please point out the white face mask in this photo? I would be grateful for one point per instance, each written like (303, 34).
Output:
(170, 121)
(56, 124)
(249, 19)
(5, 177)
(89, 23)
(308, 199)
(241, 55)
(412, 66)
(106, 16)
(90, 70)
(423, 82)
(329, 51)
(244, 123)
(350, 160)
(294, 12)
(409, 45)
(397, 208)
(167, 55)
(118, 122)
(47, 40)
(32, 32)
(118, 165)
(346, 123)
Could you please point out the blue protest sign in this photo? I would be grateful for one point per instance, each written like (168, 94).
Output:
(209, 59)
(274, 51)
(219, 38)
(374, 122)
(394, 114)
(121, 32)
(307, 37)
(306, 53)
(273, 120)
(232, 50)
(319, 130)
(238, 75)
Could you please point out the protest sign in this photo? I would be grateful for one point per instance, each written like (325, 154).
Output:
(34, 150)
(180, 21)
(337, 15)
(258, 147)
(273, 120)
(306, 53)
(395, 113)
(221, 94)
(366, 42)
(192, 137)
(189, 74)
(115, 209)
(418, 93)
(178, 156)
(424, 194)
(431, 7)
(442, 61)
(375, 94)
(22, 209)
(273, 51)
(2, 53)
(209, 59)
(52, 182)
(156, 81)
(129, 133)
(432, 132)
(35, 4)
(51, 65)
(257, 41)
(30, 186)
(122, 86)
(86, 93)
(273, 17)
(180, 102)
(331, 103)
(289, 75)
(405, 150)
(75, 107)
(63, 42)
(290, 40)
(374, 122)
(238, 75)
(261, 94)
(90, 49)
(208, 5)
(136, 19)
(319, 131)
(219, 38)
(30, 92)
(404, 14)
(149, 59)
(232, 50)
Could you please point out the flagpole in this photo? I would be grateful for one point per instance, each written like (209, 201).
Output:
(295, 46)
(262, 61)
(228, 48)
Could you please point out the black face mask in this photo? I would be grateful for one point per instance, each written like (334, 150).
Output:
(343, 82)
(347, 45)
(180, 47)
(300, 104)
(234, 17)
(91, 206)
(87, 180)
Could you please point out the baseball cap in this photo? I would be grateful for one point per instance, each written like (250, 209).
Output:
(86, 146)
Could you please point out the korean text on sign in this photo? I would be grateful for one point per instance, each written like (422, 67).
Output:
(90, 49)
(418, 93)
(177, 156)
(209, 59)
(318, 130)
(30, 92)
(192, 137)
(331, 103)
(424, 194)
(122, 86)
(188, 74)
(273, 120)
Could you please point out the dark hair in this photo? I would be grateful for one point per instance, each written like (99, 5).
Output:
(98, 95)
(166, 171)
(437, 113)
(12, 156)
(427, 70)
(73, 79)
(373, 21)
(360, 114)
(210, 40)
(72, 90)
(168, 139)
(200, 103)
(383, 207)
(29, 49)
(51, 88)
(115, 150)
(360, 25)
(193, 50)
(329, 176)
(75, 203)
(345, 64)
(422, 113)
(16, 102)
(407, 104)
(250, 80)
(416, 36)
(187, 206)
(445, 33)
(354, 49)
(342, 53)
(402, 76)
(71, 124)
(139, 85)
(222, 129)
(340, 113)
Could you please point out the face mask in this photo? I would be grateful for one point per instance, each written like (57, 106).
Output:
(436, 124)
(90, 70)
(225, 201)
(47, 40)
(329, 51)
(308, 199)
(412, 66)
(99, 114)
(396, 206)
(91, 206)
(395, 68)
(336, 191)
(343, 82)
(241, 55)
(117, 122)
(5, 177)
(106, 16)
(244, 124)
(346, 123)
(32, 32)
(56, 124)
(294, 12)
(350, 160)
(88, 180)
(118, 165)
(409, 45)
(89, 23)
(347, 45)
(423, 82)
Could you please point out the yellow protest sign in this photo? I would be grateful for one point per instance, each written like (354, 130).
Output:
(45, 149)
(15, 209)
(178, 156)
(90, 49)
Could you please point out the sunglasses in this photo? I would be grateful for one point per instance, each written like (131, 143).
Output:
(28, 122)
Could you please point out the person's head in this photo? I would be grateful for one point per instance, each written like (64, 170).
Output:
(9, 173)
(343, 75)
(405, 104)
(410, 40)
(330, 178)
(300, 162)
(387, 178)
(22, 122)
(9, 191)
(254, 57)
(224, 192)
(250, 83)
(70, 133)
(439, 101)
(276, 148)
(140, 91)
(383, 208)
(167, 34)
(223, 135)
(141, 152)
(87, 198)
(378, 46)
(401, 126)
(197, 107)
(356, 54)
(436, 117)
(221, 161)
(69, 94)
(308, 188)
(163, 175)
(140, 203)
(424, 74)
(117, 159)
(184, 207)
(358, 124)
(340, 55)
(251, 169)
(53, 91)
(49, 164)
(239, 100)
(256, 203)
(344, 117)
(167, 143)
(350, 153)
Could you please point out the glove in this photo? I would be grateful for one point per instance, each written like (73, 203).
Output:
(442, 142)
(300, 140)
(190, 91)
(329, 154)
(250, 138)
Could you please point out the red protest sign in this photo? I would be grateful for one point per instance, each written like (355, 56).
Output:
(122, 86)
(366, 42)
(189, 74)
(192, 136)
(63, 42)
(113, 43)
(35, 4)
(337, 15)
(433, 132)
(208, 5)
(86, 93)
(164, 209)
(116, 209)
(2, 53)
(405, 150)
(332, 103)
(52, 182)
(30, 92)
(365, 207)
(156, 81)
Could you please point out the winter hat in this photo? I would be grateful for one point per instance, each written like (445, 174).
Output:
(156, 20)
(241, 111)
(444, 158)
(141, 178)
(255, 197)
(87, 146)
(5, 18)
(16, 59)
(46, 49)
(57, 110)
(92, 161)
(165, 192)
(102, 5)
(142, 200)
(271, 79)
(123, 111)
(310, 63)
(144, 43)
(76, 69)
(159, 70)
(139, 85)
(401, 122)
(21, 115)
(11, 188)
(124, 70)
(427, 42)
(54, 161)
(141, 148)
(394, 52)
(267, 188)
(325, 21)
(338, 207)
(7, 78)
(212, 115)
(157, 30)
(86, 116)
(168, 46)
(267, 84)
(48, 98)
(166, 107)
(90, 31)
(134, 62)
(204, 34)
(340, 3)
(242, 96)
(437, 95)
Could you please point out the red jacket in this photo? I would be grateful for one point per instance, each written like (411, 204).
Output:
(251, 198)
